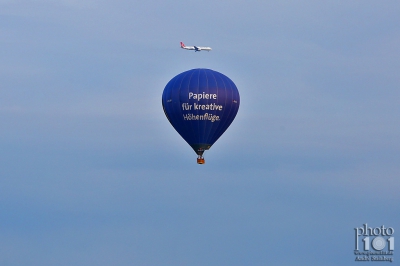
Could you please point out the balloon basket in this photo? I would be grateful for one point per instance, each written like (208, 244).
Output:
(201, 160)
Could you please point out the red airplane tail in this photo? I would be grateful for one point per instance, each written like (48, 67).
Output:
(182, 45)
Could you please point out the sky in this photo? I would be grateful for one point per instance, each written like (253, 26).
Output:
(92, 173)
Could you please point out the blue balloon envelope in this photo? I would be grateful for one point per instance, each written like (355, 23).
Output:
(200, 104)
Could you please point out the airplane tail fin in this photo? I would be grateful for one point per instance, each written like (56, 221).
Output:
(182, 45)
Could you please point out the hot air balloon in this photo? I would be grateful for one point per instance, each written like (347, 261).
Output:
(200, 104)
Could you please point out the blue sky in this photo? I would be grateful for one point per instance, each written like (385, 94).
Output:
(92, 173)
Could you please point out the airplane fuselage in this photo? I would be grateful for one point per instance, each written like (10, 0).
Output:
(195, 48)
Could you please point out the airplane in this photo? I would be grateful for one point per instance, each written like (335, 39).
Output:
(195, 48)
